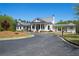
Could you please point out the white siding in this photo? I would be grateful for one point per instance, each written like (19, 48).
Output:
(19, 28)
(73, 30)
(46, 28)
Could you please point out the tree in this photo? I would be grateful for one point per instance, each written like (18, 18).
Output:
(76, 8)
(10, 20)
(5, 25)
(77, 16)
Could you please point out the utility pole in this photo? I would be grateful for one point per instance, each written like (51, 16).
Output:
(62, 31)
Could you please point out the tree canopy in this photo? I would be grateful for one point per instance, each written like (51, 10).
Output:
(9, 20)
(68, 21)
(5, 25)
(76, 10)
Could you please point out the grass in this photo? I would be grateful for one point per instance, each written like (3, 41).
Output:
(10, 34)
(74, 38)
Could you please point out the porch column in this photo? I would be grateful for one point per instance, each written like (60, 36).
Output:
(31, 27)
(40, 27)
(19, 28)
(62, 31)
(35, 28)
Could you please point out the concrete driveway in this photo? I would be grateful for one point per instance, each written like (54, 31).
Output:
(43, 44)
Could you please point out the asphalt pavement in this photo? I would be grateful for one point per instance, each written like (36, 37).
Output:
(43, 44)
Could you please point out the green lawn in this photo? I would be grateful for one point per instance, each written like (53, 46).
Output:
(74, 38)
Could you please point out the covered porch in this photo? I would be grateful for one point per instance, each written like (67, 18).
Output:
(65, 28)
(38, 27)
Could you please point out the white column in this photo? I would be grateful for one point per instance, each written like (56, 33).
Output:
(46, 27)
(40, 28)
(19, 28)
(35, 28)
(31, 27)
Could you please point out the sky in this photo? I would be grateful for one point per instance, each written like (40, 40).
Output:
(29, 11)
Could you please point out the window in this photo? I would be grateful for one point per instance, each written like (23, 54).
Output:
(17, 27)
(20, 27)
(42, 26)
(71, 27)
(48, 27)
(33, 26)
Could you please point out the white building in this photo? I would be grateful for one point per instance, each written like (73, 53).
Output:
(37, 25)
(44, 24)
(66, 27)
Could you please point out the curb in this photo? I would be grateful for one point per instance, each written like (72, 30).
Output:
(3, 39)
(70, 43)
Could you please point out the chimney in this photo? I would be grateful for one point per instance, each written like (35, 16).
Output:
(53, 16)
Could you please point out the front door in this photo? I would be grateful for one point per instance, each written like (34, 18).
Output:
(37, 27)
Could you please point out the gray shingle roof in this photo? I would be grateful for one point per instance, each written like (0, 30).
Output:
(48, 19)
(22, 24)
(65, 24)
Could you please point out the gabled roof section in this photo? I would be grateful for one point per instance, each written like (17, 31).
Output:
(48, 19)
(45, 20)
(38, 20)
(20, 23)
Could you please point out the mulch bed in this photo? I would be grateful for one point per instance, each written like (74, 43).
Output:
(4, 34)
